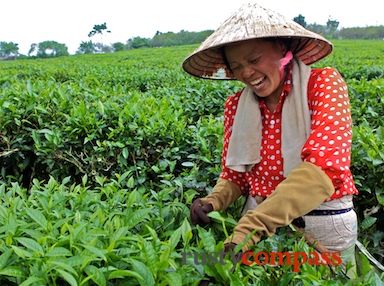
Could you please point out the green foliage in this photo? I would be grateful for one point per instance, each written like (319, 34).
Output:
(139, 42)
(86, 48)
(63, 234)
(118, 47)
(101, 156)
(330, 30)
(58, 233)
(300, 19)
(50, 49)
(177, 39)
(8, 49)
(370, 32)
(99, 29)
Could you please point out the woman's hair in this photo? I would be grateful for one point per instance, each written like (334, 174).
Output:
(222, 50)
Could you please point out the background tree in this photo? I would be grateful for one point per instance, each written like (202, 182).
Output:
(331, 28)
(86, 48)
(8, 49)
(181, 38)
(50, 49)
(99, 30)
(370, 32)
(317, 28)
(300, 20)
(101, 48)
(32, 49)
(138, 42)
(117, 47)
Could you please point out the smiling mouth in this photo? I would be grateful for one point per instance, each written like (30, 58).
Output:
(258, 81)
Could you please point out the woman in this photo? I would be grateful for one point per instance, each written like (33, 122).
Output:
(287, 134)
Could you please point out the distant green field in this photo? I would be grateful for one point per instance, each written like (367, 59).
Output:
(101, 156)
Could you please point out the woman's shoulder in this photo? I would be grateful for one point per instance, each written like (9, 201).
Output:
(324, 72)
(234, 98)
(324, 76)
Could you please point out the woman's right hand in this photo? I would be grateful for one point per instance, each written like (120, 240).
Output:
(199, 211)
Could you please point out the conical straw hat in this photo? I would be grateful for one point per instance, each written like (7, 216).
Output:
(253, 22)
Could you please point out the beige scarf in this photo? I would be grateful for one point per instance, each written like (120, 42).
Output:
(245, 142)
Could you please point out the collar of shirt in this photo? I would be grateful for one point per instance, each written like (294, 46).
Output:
(284, 94)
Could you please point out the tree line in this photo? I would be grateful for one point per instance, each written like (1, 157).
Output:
(331, 30)
(49, 49)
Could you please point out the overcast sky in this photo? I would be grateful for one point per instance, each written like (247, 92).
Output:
(69, 21)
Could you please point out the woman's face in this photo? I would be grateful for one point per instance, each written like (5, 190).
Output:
(257, 64)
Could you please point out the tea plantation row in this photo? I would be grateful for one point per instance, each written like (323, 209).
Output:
(101, 156)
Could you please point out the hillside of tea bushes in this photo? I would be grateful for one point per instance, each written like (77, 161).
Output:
(102, 155)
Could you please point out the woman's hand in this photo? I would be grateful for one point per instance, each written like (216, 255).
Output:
(199, 212)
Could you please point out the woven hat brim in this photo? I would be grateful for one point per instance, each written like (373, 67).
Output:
(253, 22)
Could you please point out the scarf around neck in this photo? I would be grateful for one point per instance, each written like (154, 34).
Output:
(245, 142)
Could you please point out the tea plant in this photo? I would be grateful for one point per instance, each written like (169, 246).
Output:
(102, 155)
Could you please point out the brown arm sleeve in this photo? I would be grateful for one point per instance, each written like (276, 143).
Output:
(306, 187)
(223, 194)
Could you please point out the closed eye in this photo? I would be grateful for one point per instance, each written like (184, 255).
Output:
(254, 60)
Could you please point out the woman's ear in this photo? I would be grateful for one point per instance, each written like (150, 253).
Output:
(282, 45)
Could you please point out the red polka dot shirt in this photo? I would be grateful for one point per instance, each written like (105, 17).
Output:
(328, 145)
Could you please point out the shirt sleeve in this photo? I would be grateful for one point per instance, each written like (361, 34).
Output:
(229, 115)
(329, 144)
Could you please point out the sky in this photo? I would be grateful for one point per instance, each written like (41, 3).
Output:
(69, 21)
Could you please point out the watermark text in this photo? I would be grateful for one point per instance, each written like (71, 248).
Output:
(294, 259)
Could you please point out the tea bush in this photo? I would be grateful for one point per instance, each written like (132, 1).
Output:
(101, 156)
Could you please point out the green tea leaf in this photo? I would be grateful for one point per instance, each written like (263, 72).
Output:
(235, 281)
(286, 278)
(173, 279)
(132, 197)
(206, 239)
(62, 263)
(368, 222)
(58, 251)
(119, 234)
(186, 231)
(13, 271)
(131, 182)
(38, 217)
(164, 258)
(84, 180)
(21, 252)
(66, 180)
(101, 107)
(140, 268)
(32, 280)
(365, 265)
(175, 238)
(29, 87)
(97, 275)
(216, 216)
(124, 175)
(188, 164)
(79, 261)
(126, 273)
(95, 251)
(30, 244)
(67, 277)
(137, 217)
(125, 153)
(149, 254)
(4, 258)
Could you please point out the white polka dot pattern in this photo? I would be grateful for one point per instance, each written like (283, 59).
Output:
(328, 145)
